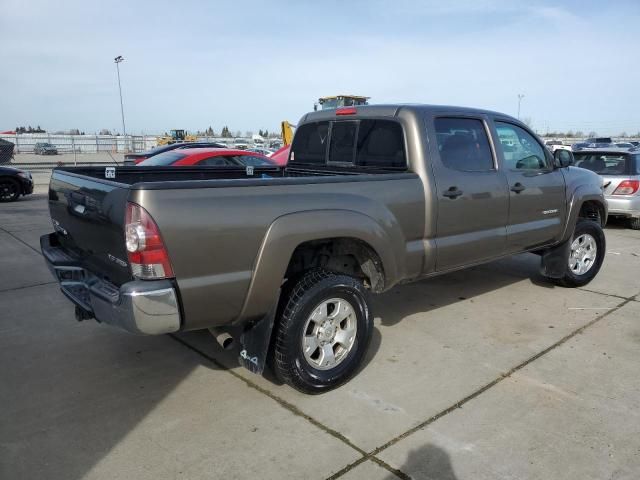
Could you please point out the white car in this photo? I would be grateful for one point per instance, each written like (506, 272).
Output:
(554, 145)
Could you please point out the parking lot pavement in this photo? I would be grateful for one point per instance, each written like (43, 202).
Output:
(487, 373)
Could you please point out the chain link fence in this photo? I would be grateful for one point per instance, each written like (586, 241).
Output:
(25, 142)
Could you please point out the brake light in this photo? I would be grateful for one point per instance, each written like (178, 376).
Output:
(139, 159)
(147, 254)
(346, 111)
(627, 187)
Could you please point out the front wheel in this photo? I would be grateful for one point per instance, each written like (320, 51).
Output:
(585, 255)
(9, 190)
(323, 332)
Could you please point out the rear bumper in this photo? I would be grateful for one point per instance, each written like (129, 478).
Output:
(628, 206)
(142, 307)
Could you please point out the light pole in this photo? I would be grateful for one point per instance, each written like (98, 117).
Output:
(117, 61)
(520, 97)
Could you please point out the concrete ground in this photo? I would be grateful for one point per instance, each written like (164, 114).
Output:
(490, 373)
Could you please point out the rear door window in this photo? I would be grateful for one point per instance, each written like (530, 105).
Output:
(463, 144)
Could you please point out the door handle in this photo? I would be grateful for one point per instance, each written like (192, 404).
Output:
(452, 193)
(518, 187)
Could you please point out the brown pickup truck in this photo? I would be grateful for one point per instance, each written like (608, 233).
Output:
(282, 261)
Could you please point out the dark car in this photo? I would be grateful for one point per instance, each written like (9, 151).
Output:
(45, 148)
(607, 140)
(13, 183)
(133, 158)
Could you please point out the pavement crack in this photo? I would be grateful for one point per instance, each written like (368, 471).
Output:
(21, 241)
(373, 454)
(27, 286)
(279, 400)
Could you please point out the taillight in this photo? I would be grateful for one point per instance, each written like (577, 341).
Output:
(346, 111)
(148, 256)
(139, 159)
(627, 187)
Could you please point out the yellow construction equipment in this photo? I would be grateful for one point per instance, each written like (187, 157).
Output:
(335, 101)
(176, 136)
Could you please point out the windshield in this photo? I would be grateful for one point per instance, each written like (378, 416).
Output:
(163, 159)
(603, 164)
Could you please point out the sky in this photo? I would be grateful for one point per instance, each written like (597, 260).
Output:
(251, 64)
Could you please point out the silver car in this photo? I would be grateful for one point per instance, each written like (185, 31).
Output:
(620, 171)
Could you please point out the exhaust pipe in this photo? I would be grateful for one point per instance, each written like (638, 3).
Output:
(223, 338)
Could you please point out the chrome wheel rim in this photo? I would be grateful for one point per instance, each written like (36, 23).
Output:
(329, 333)
(584, 251)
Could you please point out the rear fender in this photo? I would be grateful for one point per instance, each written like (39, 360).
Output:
(286, 233)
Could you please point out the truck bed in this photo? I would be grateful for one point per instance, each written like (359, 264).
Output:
(214, 221)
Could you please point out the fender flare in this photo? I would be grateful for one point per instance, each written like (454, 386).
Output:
(289, 231)
(582, 194)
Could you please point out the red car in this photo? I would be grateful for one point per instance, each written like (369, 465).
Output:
(281, 156)
(217, 157)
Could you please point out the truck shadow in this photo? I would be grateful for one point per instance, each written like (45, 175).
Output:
(437, 292)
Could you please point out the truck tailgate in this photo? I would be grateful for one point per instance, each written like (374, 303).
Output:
(88, 216)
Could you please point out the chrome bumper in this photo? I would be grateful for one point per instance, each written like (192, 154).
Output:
(142, 307)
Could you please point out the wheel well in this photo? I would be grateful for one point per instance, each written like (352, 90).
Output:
(592, 210)
(8, 177)
(350, 256)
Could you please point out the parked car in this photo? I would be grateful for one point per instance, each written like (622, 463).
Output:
(44, 148)
(294, 253)
(211, 157)
(579, 146)
(134, 158)
(599, 140)
(554, 145)
(13, 183)
(624, 145)
(281, 156)
(262, 151)
(620, 171)
(635, 144)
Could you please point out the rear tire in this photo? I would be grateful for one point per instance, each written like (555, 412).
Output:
(634, 223)
(323, 332)
(10, 190)
(586, 254)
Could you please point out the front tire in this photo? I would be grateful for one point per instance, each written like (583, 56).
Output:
(10, 190)
(323, 333)
(586, 254)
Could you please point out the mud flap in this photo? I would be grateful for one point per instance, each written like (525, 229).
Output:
(254, 343)
(554, 260)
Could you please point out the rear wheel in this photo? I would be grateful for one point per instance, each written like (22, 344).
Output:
(9, 190)
(634, 223)
(323, 332)
(585, 255)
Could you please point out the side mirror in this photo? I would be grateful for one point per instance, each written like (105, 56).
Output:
(562, 158)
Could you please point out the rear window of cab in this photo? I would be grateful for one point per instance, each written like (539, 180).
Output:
(362, 143)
